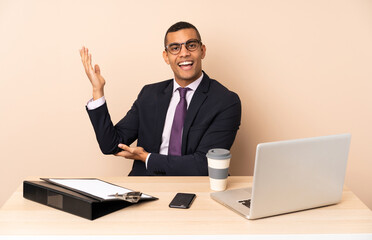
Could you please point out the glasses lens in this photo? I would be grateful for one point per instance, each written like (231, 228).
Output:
(192, 45)
(174, 48)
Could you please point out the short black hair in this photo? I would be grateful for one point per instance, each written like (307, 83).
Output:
(179, 26)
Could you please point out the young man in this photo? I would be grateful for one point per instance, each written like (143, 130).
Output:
(175, 122)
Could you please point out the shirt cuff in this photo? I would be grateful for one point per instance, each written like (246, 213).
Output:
(93, 104)
(147, 159)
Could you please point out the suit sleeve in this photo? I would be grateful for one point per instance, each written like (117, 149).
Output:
(108, 135)
(220, 134)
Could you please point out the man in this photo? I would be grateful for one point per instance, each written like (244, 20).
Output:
(175, 122)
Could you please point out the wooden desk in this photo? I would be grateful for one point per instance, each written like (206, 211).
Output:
(205, 217)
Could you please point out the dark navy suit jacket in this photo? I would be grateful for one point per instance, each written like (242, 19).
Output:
(212, 121)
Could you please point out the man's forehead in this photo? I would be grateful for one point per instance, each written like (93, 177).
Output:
(182, 35)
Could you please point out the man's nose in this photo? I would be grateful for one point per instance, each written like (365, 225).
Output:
(184, 52)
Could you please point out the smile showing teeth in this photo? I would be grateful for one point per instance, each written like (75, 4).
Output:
(185, 63)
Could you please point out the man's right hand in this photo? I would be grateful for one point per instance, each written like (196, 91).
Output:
(94, 75)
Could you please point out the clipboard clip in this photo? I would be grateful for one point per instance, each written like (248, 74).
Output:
(132, 197)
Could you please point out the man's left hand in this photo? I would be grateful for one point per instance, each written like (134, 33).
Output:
(135, 153)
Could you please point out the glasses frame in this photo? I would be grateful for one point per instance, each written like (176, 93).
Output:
(184, 43)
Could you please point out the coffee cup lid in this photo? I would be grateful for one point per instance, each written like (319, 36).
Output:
(218, 153)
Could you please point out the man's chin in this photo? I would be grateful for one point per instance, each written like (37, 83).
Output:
(188, 77)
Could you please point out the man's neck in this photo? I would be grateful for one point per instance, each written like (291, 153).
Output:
(184, 83)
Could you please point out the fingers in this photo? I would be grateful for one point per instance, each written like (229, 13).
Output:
(83, 57)
(122, 154)
(83, 52)
(126, 148)
(86, 59)
(135, 153)
(97, 69)
(89, 60)
(127, 153)
(131, 150)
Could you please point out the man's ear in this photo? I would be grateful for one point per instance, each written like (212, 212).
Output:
(204, 51)
(165, 56)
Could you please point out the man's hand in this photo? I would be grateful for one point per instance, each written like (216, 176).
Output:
(135, 153)
(94, 75)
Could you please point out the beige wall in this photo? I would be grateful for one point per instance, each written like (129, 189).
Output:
(301, 68)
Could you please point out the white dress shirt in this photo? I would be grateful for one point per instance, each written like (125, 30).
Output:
(91, 105)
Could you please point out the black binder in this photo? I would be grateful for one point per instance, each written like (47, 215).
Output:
(72, 202)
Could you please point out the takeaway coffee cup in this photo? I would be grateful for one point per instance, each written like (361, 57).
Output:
(218, 167)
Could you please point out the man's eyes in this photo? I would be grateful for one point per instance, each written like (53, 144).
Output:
(174, 47)
(192, 45)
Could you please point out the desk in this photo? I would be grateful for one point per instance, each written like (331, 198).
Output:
(205, 217)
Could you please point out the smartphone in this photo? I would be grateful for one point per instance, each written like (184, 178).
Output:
(182, 200)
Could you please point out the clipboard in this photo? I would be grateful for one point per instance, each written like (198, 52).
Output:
(96, 188)
(75, 201)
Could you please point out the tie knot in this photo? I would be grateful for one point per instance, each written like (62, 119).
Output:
(183, 91)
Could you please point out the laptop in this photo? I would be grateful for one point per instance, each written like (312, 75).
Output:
(291, 176)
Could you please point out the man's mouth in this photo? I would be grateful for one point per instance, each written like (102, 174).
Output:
(185, 65)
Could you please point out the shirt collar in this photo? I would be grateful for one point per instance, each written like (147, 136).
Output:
(193, 86)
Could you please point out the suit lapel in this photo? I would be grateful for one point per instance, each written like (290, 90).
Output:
(161, 113)
(197, 100)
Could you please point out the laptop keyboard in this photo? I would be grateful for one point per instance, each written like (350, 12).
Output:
(246, 203)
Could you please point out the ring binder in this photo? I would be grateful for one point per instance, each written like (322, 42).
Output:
(73, 202)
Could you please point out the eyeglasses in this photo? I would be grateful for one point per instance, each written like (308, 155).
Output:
(175, 48)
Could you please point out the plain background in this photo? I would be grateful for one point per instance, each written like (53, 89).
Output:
(301, 69)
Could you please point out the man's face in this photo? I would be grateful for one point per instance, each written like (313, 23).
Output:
(186, 65)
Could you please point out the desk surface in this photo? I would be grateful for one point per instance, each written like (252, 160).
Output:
(21, 216)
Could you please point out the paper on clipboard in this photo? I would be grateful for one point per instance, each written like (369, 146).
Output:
(93, 186)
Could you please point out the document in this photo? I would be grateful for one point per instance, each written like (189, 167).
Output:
(92, 186)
